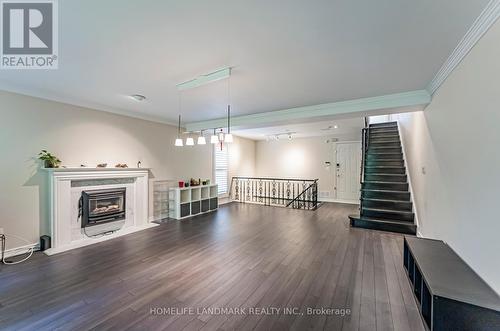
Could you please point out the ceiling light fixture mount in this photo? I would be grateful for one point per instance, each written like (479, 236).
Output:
(138, 97)
(205, 79)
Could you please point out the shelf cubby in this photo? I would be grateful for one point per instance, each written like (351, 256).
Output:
(185, 195)
(195, 193)
(190, 201)
(205, 192)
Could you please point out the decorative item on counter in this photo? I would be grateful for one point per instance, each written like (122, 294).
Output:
(181, 183)
(186, 184)
(121, 165)
(204, 182)
(49, 160)
(102, 165)
(83, 166)
(139, 164)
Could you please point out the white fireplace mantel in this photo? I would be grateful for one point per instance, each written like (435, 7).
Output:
(62, 221)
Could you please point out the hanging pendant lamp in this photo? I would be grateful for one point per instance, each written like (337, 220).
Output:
(178, 141)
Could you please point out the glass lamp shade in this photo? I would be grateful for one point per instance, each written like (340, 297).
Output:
(201, 140)
(178, 142)
(189, 141)
(214, 139)
(228, 138)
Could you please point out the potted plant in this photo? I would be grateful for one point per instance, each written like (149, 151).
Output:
(49, 160)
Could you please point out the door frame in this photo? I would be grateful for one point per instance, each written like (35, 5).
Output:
(336, 199)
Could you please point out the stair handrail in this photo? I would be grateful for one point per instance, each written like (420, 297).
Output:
(315, 195)
(365, 136)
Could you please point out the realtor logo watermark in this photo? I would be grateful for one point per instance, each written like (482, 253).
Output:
(29, 34)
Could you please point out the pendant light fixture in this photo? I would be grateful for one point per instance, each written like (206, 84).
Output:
(190, 141)
(178, 141)
(201, 139)
(229, 137)
(214, 139)
(221, 136)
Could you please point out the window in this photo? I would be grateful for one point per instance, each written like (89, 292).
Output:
(221, 168)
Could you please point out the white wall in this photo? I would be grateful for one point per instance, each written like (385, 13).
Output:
(302, 158)
(456, 141)
(242, 158)
(77, 136)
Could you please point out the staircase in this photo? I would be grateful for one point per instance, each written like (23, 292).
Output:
(385, 197)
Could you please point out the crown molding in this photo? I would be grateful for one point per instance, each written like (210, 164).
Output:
(482, 24)
(360, 107)
(83, 104)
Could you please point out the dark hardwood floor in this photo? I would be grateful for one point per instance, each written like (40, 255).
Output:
(243, 256)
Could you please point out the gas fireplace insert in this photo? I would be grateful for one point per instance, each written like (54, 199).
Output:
(102, 206)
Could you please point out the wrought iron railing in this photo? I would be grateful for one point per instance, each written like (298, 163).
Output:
(280, 192)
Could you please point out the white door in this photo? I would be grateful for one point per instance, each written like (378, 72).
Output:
(348, 169)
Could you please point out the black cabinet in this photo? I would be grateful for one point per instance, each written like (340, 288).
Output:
(450, 295)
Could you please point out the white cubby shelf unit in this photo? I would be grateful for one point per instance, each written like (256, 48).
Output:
(194, 200)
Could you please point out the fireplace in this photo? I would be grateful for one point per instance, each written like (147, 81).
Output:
(102, 206)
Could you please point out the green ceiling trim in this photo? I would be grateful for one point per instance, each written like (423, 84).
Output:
(356, 106)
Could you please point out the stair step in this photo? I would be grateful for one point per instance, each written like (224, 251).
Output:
(384, 156)
(383, 224)
(383, 149)
(377, 185)
(398, 215)
(377, 134)
(384, 140)
(384, 170)
(385, 162)
(387, 130)
(385, 194)
(387, 204)
(393, 178)
(384, 144)
(384, 125)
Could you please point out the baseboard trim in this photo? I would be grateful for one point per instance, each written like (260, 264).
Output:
(21, 250)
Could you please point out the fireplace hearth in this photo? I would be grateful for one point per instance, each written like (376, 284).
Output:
(102, 206)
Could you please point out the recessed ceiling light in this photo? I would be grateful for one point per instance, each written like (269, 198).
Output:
(138, 97)
(335, 126)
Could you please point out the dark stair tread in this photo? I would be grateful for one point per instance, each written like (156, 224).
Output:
(382, 182)
(385, 191)
(387, 153)
(386, 200)
(377, 125)
(384, 210)
(383, 224)
(384, 174)
(382, 219)
(384, 167)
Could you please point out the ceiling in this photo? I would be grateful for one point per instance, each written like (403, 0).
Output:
(342, 129)
(284, 54)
